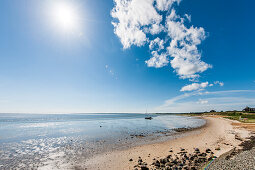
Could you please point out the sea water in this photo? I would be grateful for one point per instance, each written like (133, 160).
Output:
(37, 140)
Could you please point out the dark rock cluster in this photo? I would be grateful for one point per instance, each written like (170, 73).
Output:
(182, 129)
(180, 161)
(141, 165)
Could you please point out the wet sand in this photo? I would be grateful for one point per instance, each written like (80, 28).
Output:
(219, 134)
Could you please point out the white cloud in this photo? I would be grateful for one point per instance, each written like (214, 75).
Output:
(194, 86)
(204, 85)
(131, 16)
(197, 86)
(164, 5)
(188, 17)
(219, 83)
(156, 28)
(157, 43)
(183, 47)
(158, 60)
(135, 21)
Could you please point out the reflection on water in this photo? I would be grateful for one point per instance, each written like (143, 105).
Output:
(32, 140)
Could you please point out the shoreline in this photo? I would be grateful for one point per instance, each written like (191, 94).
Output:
(218, 134)
(64, 148)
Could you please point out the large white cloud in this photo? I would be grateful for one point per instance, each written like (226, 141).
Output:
(131, 16)
(183, 47)
(140, 22)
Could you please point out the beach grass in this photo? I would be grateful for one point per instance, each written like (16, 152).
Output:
(233, 115)
(242, 117)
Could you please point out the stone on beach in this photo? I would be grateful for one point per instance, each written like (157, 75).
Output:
(208, 150)
(184, 161)
(217, 148)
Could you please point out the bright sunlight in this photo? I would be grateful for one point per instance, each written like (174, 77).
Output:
(65, 16)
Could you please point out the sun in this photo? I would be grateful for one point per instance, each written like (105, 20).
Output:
(64, 16)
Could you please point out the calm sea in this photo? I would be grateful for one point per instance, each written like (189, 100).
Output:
(50, 140)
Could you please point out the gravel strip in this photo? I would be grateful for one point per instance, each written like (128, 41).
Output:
(244, 160)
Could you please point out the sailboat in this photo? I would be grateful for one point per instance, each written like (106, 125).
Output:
(147, 116)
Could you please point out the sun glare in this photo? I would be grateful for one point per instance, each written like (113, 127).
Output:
(64, 16)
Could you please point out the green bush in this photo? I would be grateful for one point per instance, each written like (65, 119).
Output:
(233, 117)
(235, 114)
(248, 116)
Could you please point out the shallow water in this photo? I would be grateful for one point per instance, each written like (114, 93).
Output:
(36, 140)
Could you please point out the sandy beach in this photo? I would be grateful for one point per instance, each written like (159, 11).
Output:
(219, 134)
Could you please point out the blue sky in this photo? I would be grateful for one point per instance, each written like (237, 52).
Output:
(77, 60)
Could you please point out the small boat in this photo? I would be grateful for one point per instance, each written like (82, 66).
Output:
(147, 117)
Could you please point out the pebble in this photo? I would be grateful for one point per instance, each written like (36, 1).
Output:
(217, 148)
